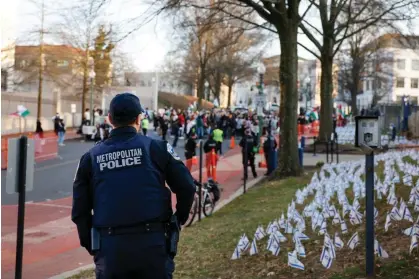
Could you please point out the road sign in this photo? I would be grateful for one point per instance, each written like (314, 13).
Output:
(73, 108)
(13, 172)
(260, 101)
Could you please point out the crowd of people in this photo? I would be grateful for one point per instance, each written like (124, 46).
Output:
(214, 125)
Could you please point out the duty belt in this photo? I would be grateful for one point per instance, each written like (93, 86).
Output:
(143, 228)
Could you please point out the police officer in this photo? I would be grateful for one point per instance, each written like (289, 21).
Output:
(120, 203)
(248, 143)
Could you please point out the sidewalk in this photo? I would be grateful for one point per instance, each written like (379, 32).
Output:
(310, 160)
(51, 244)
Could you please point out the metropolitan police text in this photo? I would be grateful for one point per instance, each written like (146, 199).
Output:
(119, 159)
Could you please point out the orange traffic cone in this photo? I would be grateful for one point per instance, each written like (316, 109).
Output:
(214, 165)
(262, 163)
(232, 143)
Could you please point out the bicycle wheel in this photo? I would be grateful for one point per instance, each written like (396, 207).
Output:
(192, 213)
(209, 204)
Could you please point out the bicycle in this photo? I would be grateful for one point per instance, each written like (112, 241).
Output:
(207, 201)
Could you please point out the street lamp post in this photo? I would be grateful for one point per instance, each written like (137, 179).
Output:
(92, 75)
(206, 90)
(308, 88)
(155, 80)
(261, 71)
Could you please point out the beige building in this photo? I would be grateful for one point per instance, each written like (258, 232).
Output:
(62, 86)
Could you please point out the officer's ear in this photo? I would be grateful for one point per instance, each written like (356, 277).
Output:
(138, 119)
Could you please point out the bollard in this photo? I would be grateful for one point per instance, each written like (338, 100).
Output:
(245, 163)
(327, 151)
(303, 142)
(369, 200)
(314, 146)
(331, 151)
(201, 156)
(337, 150)
(300, 156)
(23, 147)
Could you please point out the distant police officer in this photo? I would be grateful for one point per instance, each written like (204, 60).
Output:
(248, 144)
(120, 203)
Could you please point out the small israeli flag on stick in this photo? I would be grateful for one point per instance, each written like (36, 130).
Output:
(294, 262)
(253, 248)
(388, 222)
(379, 250)
(413, 243)
(325, 258)
(338, 241)
(343, 227)
(354, 241)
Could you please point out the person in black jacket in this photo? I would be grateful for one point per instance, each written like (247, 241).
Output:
(175, 132)
(190, 148)
(248, 143)
(163, 126)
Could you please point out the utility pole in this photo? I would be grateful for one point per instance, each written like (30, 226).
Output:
(41, 62)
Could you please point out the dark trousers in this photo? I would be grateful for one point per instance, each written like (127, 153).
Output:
(145, 132)
(251, 162)
(220, 147)
(163, 133)
(175, 140)
(131, 256)
(170, 267)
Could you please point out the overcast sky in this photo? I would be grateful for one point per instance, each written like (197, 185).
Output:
(146, 47)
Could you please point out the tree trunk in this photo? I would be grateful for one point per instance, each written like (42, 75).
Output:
(84, 93)
(217, 86)
(354, 108)
(288, 153)
(201, 86)
(326, 89)
(230, 88)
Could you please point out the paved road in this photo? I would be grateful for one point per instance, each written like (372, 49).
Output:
(53, 179)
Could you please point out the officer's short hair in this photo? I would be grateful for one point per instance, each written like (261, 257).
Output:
(124, 109)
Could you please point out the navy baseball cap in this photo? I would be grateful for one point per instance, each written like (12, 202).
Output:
(125, 107)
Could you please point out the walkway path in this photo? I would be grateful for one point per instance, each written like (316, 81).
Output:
(51, 244)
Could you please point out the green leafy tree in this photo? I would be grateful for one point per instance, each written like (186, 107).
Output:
(101, 54)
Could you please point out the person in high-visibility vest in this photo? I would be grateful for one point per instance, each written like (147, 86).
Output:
(144, 125)
(218, 137)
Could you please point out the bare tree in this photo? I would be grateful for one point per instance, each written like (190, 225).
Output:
(77, 27)
(340, 20)
(282, 18)
(121, 64)
(364, 58)
(236, 61)
(203, 37)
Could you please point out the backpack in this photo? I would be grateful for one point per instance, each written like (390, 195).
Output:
(214, 189)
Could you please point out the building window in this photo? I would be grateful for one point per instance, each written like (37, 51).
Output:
(23, 64)
(400, 82)
(368, 85)
(4, 74)
(415, 65)
(62, 63)
(414, 83)
(401, 64)
(142, 83)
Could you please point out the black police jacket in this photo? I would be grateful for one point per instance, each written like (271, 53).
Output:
(123, 181)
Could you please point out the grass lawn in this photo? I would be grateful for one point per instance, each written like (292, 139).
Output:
(205, 248)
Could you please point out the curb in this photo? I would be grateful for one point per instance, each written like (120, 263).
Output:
(223, 203)
(73, 272)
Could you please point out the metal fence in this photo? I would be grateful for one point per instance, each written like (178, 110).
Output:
(393, 114)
